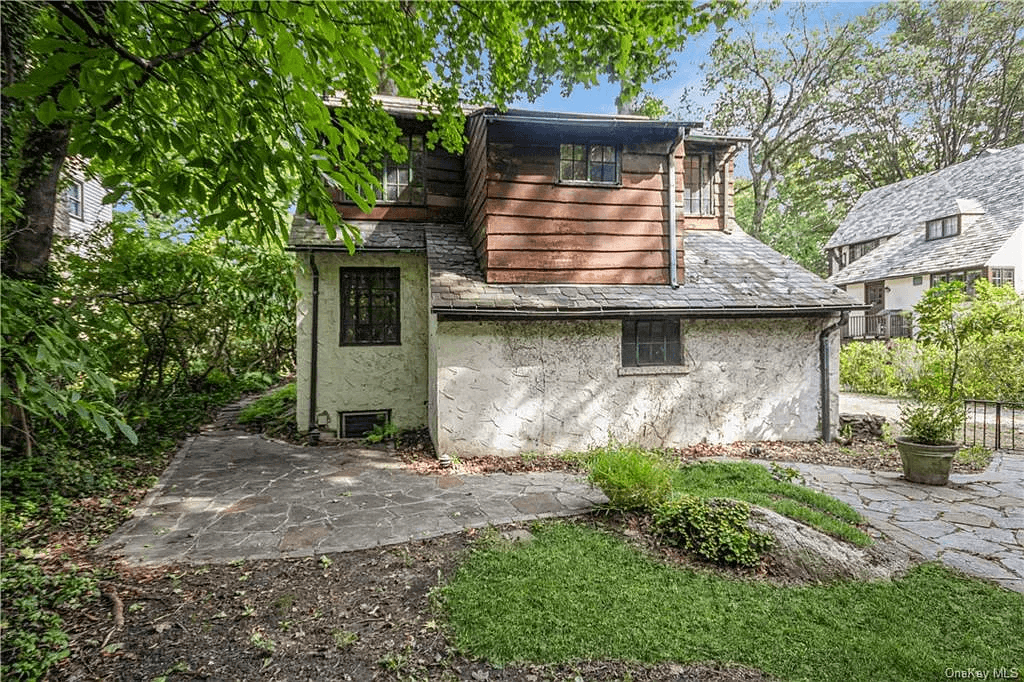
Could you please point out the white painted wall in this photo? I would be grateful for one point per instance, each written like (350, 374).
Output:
(357, 378)
(546, 386)
(1011, 255)
(94, 211)
(902, 294)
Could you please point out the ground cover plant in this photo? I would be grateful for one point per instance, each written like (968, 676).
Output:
(704, 506)
(581, 593)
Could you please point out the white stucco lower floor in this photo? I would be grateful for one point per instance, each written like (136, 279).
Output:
(502, 387)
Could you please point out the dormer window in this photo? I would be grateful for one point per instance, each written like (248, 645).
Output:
(589, 163)
(700, 186)
(942, 227)
(402, 183)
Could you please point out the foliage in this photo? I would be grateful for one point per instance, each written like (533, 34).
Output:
(273, 413)
(576, 593)
(635, 479)
(967, 346)
(33, 637)
(713, 528)
(631, 477)
(906, 89)
(381, 432)
(218, 110)
(932, 422)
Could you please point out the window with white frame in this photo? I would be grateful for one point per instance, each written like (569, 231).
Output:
(402, 181)
(589, 163)
(700, 186)
(74, 200)
(1000, 276)
(966, 276)
(942, 227)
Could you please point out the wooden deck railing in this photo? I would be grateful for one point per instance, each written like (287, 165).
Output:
(888, 326)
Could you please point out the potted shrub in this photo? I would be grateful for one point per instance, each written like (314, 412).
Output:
(928, 443)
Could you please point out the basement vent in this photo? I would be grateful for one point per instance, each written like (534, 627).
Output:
(358, 424)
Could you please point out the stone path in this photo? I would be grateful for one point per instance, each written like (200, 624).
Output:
(976, 524)
(231, 495)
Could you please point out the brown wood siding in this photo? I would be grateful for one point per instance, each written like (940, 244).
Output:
(476, 188)
(541, 230)
(444, 182)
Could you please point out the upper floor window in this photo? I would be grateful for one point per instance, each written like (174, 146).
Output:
(1000, 276)
(597, 163)
(73, 200)
(370, 306)
(700, 188)
(858, 250)
(647, 342)
(402, 182)
(942, 227)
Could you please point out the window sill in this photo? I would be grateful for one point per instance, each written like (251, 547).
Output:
(654, 370)
(590, 183)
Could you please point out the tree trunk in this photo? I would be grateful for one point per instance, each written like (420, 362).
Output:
(30, 236)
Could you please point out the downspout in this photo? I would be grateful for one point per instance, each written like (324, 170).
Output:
(673, 232)
(313, 431)
(826, 372)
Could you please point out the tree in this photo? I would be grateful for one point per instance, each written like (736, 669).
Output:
(905, 90)
(775, 86)
(216, 108)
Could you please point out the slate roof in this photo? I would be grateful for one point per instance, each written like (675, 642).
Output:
(377, 235)
(725, 274)
(992, 185)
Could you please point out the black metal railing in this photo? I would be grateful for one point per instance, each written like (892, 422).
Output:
(996, 425)
(887, 326)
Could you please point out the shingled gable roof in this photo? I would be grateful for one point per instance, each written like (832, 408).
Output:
(991, 185)
(726, 274)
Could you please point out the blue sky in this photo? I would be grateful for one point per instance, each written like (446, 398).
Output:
(601, 100)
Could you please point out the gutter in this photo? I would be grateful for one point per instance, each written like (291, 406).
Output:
(673, 232)
(484, 313)
(312, 430)
(826, 370)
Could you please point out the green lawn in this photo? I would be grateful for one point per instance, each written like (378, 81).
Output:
(579, 593)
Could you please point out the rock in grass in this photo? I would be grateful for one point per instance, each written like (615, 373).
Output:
(808, 555)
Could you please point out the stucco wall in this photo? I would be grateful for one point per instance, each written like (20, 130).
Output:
(508, 387)
(1011, 255)
(357, 378)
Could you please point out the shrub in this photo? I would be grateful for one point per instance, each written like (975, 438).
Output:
(869, 367)
(631, 477)
(714, 528)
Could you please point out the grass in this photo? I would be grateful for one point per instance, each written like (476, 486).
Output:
(273, 413)
(757, 485)
(637, 479)
(578, 593)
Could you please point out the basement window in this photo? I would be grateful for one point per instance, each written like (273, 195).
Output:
(651, 342)
(358, 424)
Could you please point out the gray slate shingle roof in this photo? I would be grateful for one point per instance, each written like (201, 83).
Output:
(992, 184)
(725, 274)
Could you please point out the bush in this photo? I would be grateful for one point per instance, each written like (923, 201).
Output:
(632, 478)
(869, 367)
(272, 410)
(714, 528)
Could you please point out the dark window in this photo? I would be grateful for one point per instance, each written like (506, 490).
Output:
(942, 227)
(1000, 276)
(874, 295)
(597, 163)
(858, 250)
(73, 200)
(358, 424)
(700, 186)
(402, 182)
(965, 276)
(651, 342)
(370, 306)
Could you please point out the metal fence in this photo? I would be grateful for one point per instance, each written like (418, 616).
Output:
(887, 326)
(996, 425)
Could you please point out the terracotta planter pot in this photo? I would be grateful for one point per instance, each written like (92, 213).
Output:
(928, 464)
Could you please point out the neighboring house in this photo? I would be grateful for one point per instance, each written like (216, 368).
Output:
(81, 207)
(569, 280)
(964, 222)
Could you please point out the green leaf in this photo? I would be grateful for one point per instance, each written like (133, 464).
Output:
(47, 112)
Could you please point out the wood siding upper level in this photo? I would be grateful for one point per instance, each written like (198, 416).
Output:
(444, 184)
(528, 227)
